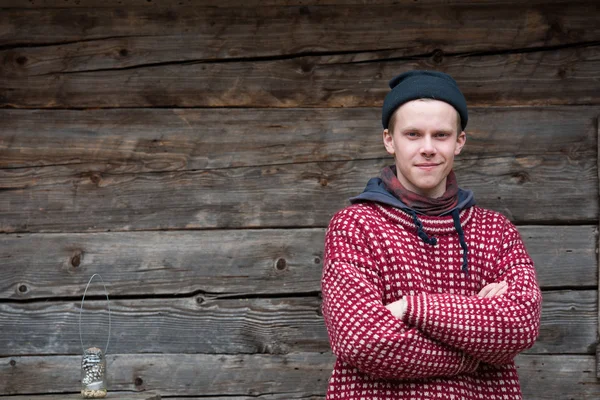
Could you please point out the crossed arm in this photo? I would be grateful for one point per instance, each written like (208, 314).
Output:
(398, 308)
(429, 334)
(364, 334)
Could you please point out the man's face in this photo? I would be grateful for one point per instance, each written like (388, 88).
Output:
(424, 143)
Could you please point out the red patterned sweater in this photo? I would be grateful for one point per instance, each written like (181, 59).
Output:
(451, 344)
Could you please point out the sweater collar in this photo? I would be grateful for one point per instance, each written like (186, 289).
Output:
(433, 225)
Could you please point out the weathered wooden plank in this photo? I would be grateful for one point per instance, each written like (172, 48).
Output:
(236, 326)
(231, 262)
(299, 375)
(598, 154)
(113, 395)
(185, 325)
(95, 37)
(558, 377)
(558, 77)
(569, 323)
(146, 140)
(197, 374)
(39, 4)
(559, 252)
(53, 199)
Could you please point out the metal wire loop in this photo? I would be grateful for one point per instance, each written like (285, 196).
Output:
(81, 311)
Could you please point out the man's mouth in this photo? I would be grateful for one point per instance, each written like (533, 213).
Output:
(426, 166)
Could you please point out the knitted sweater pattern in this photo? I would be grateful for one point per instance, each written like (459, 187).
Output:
(450, 344)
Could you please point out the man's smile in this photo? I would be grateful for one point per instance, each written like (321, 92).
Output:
(427, 166)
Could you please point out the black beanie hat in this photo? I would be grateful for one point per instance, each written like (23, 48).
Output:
(415, 85)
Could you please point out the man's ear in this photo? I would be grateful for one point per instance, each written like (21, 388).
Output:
(460, 142)
(388, 141)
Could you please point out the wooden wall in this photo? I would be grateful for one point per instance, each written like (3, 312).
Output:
(192, 153)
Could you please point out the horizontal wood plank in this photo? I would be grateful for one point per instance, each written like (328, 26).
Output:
(300, 375)
(56, 200)
(40, 4)
(558, 377)
(236, 326)
(197, 374)
(97, 36)
(230, 262)
(569, 323)
(145, 140)
(113, 395)
(561, 76)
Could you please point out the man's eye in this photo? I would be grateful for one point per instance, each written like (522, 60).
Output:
(412, 134)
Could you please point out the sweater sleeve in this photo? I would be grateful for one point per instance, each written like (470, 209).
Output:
(493, 330)
(362, 332)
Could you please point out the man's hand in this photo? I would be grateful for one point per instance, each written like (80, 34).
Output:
(398, 308)
(493, 290)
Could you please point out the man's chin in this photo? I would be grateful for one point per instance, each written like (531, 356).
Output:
(427, 188)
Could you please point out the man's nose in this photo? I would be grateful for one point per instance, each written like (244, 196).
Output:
(428, 146)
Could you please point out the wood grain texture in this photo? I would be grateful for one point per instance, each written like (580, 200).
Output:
(299, 375)
(40, 4)
(94, 37)
(561, 76)
(176, 374)
(56, 200)
(558, 377)
(230, 262)
(185, 325)
(236, 326)
(598, 155)
(111, 395)
(119, 141)
(569, 323)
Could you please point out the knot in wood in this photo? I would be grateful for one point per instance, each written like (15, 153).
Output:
(23, 288)
(281, 264)
(22, 60)
(13, 363)
(306, 68)
(521, 177)
(317, 260)
(76, 260)
(138, 381)
(438, 56)
(95, 178)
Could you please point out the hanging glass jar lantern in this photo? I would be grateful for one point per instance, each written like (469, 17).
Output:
(93, 362)
(93, 374)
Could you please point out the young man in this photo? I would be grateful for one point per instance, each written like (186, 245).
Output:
(425, 295)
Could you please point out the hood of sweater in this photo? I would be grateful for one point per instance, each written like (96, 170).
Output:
(375, 191)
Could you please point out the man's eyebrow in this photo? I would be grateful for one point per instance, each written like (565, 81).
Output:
(412, 128)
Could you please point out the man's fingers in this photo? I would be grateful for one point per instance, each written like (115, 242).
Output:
(486, 289)
(493, 290)
(502, 290)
